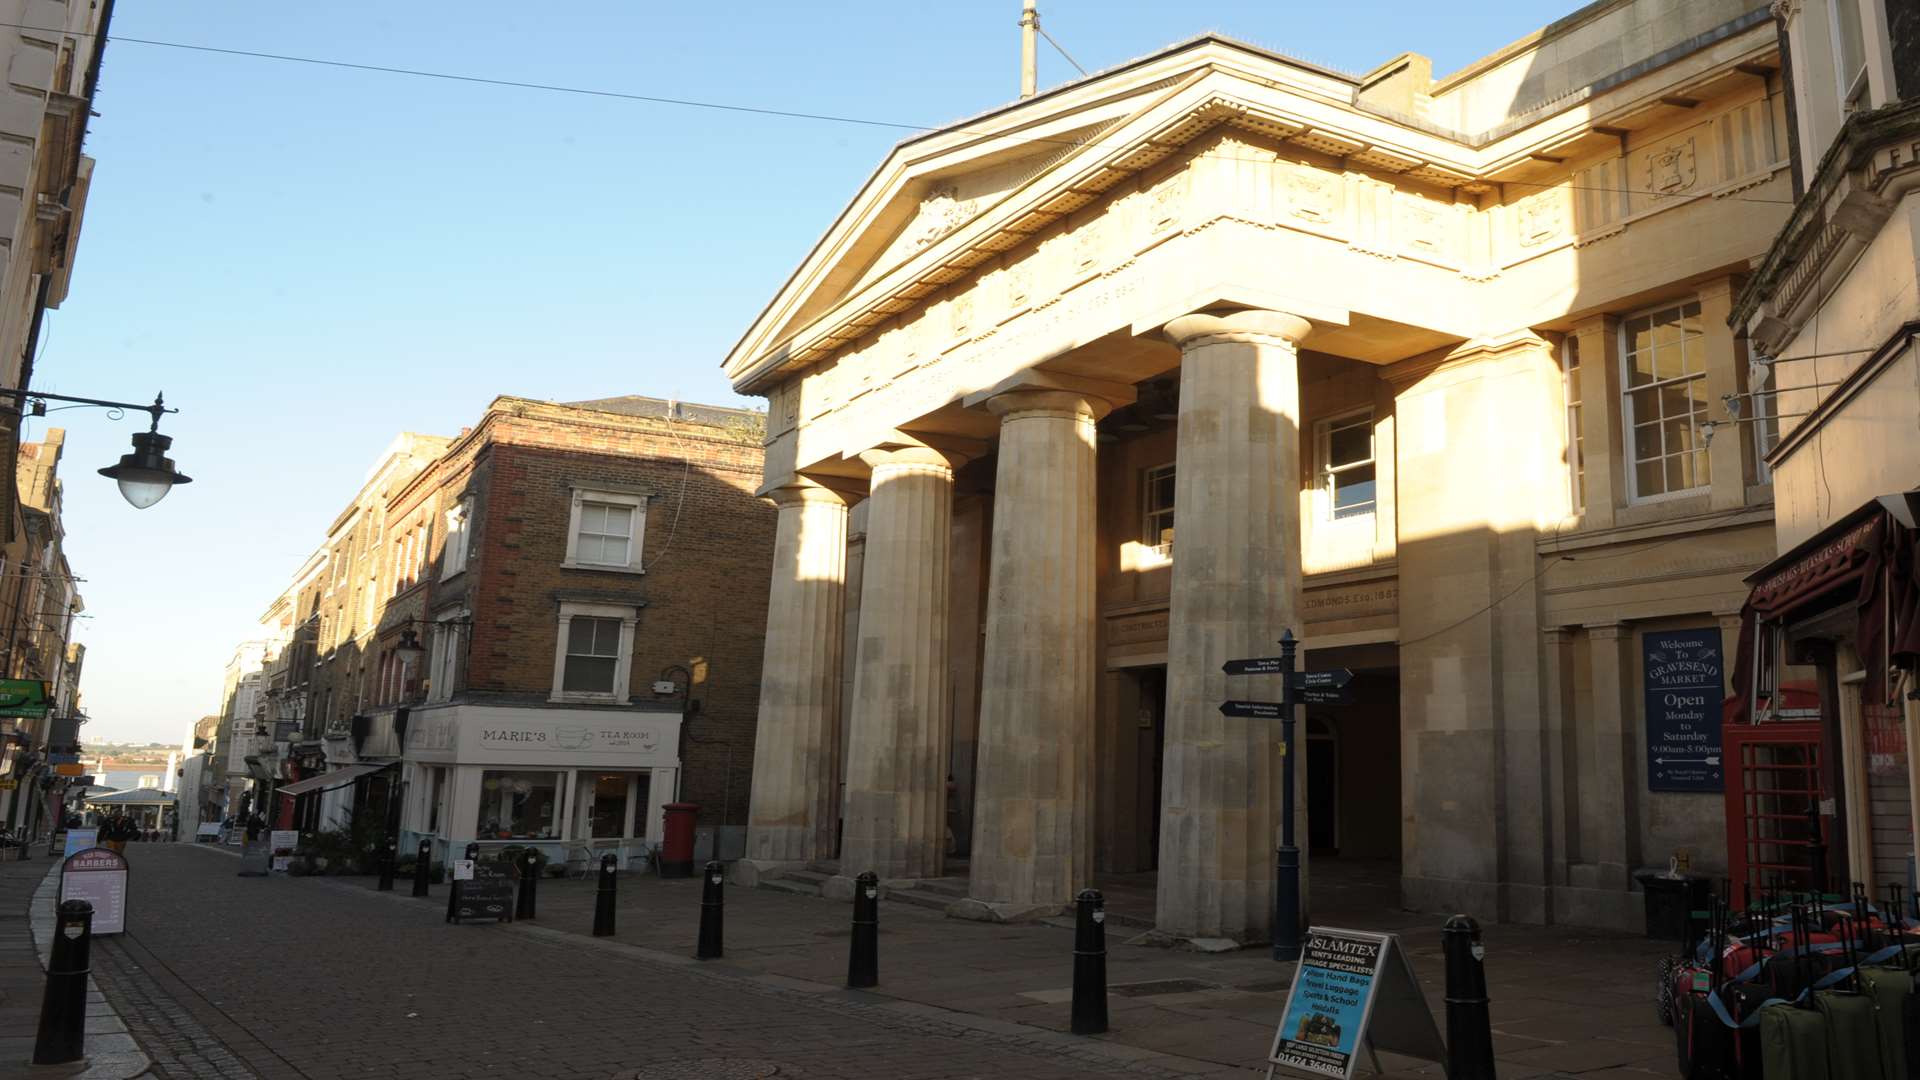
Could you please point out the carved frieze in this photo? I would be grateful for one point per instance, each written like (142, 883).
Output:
(1542, 218)
(1671, 169)
(1163, 210)
(941, 212)
(1311, 195)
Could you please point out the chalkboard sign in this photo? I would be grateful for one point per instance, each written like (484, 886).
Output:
(1684, 687)
(489, 894)
(255, 858)
(99, 877)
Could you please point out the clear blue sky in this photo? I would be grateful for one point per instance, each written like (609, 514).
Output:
(309, 260)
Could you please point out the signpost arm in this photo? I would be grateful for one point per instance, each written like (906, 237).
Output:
(1286, 885)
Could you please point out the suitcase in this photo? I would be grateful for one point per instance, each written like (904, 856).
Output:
(1743, 1002)
(1853, 1043)
(1793, 1044)
(1896, 1019)
(1704, 1045)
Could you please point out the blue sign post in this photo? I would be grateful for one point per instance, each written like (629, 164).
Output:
(1684, 684)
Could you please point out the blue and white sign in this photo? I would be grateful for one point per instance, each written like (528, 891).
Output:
(1685, 684)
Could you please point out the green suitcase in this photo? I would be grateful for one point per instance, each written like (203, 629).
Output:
(1853, 1042)
(1891, 991)
(1793, 1043)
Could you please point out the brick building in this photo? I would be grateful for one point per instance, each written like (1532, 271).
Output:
(555, 632)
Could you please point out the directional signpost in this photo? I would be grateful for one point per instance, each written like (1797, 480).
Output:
(1301, 688)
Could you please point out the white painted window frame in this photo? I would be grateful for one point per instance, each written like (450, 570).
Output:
(1149, 533)
(1324, 472)
(1571, 362)
(629, 617)
(1629, 456)
(444, 659)
(453, 559)
(637, 502)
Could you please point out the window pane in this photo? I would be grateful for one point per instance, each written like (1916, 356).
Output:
(1649, 479)
(610, 806)
(1679, 476)
(517, 805)
(1353, 492)
(1646, 442)
(588, 675)
(1350, 444)
(618, 520)
(1678, 434)
(1702, 469)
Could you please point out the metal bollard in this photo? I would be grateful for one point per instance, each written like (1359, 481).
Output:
(863, 956)
(1090, 963)
(422, 868)
(529, 881)
(603, 900)
(712, 906)
(1469, 1027)
(387, 861)
(453, 884)
(63, 1011)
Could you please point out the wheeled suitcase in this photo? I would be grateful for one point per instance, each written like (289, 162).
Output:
(1894, 1015)
(1853, 1043)
(1793, 1043)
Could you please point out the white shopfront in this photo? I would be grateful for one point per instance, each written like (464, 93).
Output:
(575, 782)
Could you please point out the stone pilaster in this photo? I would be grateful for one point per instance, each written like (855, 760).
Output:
(897, 753)
(1033, 797)
(795, 807)
(1236, 587)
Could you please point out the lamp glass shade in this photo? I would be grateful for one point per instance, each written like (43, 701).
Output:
(146, 475)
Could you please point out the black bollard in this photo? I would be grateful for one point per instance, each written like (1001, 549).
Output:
(529, 880)
(1469, 1027)
(386, 863)
(63, 1011)
(453, 884)
(712, 905)
(422, 868)
(603, 900)
(1090, 963)
(863, 956)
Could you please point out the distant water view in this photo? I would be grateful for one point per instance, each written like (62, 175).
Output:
(128, 779)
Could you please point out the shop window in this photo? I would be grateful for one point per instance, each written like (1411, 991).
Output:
(435, 796)
(518, 805)
(453, 559)
(606, 530)
(1576, 442)
(1346, 465)
(1158, 500)
(594, 653)
(1663, 355)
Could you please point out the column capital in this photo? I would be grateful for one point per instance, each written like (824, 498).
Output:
(1259, 327)
(1609, 631)
(1556, 635)
(912, 457)
(797, 490)
(1036, 391)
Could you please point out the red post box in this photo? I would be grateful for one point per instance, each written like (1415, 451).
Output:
(676, 847)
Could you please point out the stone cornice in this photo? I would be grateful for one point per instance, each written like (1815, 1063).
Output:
(1820, 222)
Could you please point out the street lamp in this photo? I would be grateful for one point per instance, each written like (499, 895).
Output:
(409, 648)
(146, 475)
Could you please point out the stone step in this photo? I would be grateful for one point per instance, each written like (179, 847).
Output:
(787, 885)
(953, 887)
(920, 897)
(810, 877)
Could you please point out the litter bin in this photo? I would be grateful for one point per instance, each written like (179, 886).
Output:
(1669, 902)
(676, 847)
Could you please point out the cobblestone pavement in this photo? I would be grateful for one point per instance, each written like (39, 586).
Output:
(222, 976)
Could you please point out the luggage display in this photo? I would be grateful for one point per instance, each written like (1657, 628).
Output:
(1815, 987)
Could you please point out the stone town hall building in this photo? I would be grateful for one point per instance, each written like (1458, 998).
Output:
(1424, 370)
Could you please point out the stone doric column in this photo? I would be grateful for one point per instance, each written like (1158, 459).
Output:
(1236, 586)
(795, 807)
(1610, 809)
(1033, 793)
(900, 718)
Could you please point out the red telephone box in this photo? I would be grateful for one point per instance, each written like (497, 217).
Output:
(1773, 780)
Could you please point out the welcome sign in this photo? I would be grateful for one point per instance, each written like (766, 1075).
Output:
(1685, 685)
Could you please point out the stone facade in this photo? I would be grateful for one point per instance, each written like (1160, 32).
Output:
(1423, 366)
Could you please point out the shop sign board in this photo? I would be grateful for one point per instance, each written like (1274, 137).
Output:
(69, 768)
(1352, 988)
(256, 858)
(8, 783)
(488, 894)
(99, 877)
(79, 840)
(1685, 684)
(23, 697)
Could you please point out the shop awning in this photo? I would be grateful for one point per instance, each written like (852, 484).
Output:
(340, 777)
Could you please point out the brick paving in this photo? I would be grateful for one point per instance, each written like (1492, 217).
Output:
(279, 977)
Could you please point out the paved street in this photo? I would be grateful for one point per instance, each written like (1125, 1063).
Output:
(232, 977)
(229, 977)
